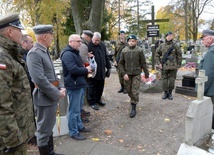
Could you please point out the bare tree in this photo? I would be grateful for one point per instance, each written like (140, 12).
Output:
(192, 14)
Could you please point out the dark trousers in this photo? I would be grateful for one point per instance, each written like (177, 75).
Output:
(95, 90)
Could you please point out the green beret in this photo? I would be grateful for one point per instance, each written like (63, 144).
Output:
(168, 33)
(131, 37)
(11, 19)
(207, 32)
(43, 29)
(88, 33)
(121, 32)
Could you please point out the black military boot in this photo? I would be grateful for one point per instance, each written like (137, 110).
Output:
(124, 91)
(165, 96)
(44, 150)
(121, 89)
(170, 97)
(51, 146)
(133, 111)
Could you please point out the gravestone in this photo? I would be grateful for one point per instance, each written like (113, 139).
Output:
(198, 124)
(188, 85)
(61, 126)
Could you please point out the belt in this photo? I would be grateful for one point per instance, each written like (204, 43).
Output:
(55, 83)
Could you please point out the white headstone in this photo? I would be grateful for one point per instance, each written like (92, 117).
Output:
(199, 115)
(198, 122)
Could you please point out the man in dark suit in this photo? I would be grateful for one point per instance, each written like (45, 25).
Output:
(96, 84)
(48, 89)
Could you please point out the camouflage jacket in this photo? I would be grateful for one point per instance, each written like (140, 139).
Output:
(118, 49)
(132, 61)
(16, 108)
(175, 56)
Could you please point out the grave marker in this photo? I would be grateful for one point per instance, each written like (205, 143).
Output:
(198, 124)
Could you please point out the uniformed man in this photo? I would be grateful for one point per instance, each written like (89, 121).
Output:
(172, 55)
(120, 45)
(207, 63)
(48, 89)
(84, 54)
(16, 108)
(131, 63)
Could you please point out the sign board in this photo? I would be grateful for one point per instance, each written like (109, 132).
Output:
(152, 30)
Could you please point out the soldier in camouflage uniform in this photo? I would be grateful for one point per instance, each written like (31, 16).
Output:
(120, 45)
(131, 63)
(16, 111)
(170, 67)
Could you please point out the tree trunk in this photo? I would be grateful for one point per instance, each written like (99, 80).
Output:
(96, 15)
(77, 14)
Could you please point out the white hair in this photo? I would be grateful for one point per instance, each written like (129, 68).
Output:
(97, 35)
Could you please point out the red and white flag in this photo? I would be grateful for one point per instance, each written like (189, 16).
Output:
(3, 66)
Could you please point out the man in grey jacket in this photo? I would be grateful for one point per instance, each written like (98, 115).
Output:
(47, 90)
(207, 64)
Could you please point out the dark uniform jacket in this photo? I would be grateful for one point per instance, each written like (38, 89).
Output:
(73, 69)
(207, 64)
(132, 61)
(41, 69)
(118, 49)
(175, 56)
(16, 108)
(101, 58)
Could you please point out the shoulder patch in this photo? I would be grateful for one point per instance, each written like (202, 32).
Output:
(3, 67)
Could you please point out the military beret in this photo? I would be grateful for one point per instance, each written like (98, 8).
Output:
(11, 19)
(121, 32)
(131, 37)
(207, 32)
(43, 29)
(168, 33)
(88, 33)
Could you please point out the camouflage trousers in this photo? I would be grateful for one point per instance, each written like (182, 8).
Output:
(120, 76)
(22, 150)
(132, 87)
(168, 78)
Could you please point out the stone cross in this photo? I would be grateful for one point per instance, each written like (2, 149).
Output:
(200, 80)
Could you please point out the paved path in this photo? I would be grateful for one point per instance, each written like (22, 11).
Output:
(90, 147)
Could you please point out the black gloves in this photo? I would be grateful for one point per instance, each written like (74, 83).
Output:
(12, 149)
(108, 72)
(33, 141)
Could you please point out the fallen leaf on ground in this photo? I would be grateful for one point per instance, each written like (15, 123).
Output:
(139, 146)
(160, 131)
(166, 119)
(121, 140)
(108, 132)
(95, 139)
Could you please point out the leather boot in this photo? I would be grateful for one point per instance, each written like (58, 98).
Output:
(51, 146)
(124, 91)
(44, 150)
(170, 97)
(133, 111)
(121, 89)
(166, 94)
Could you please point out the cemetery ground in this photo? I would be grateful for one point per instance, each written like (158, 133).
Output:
(157, 129)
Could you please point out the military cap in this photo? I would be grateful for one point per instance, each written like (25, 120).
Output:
(131, 37)
(11, 19)
(207, 32)
(121, 32)
(168, 33)
(43, 29)
(88, 33)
